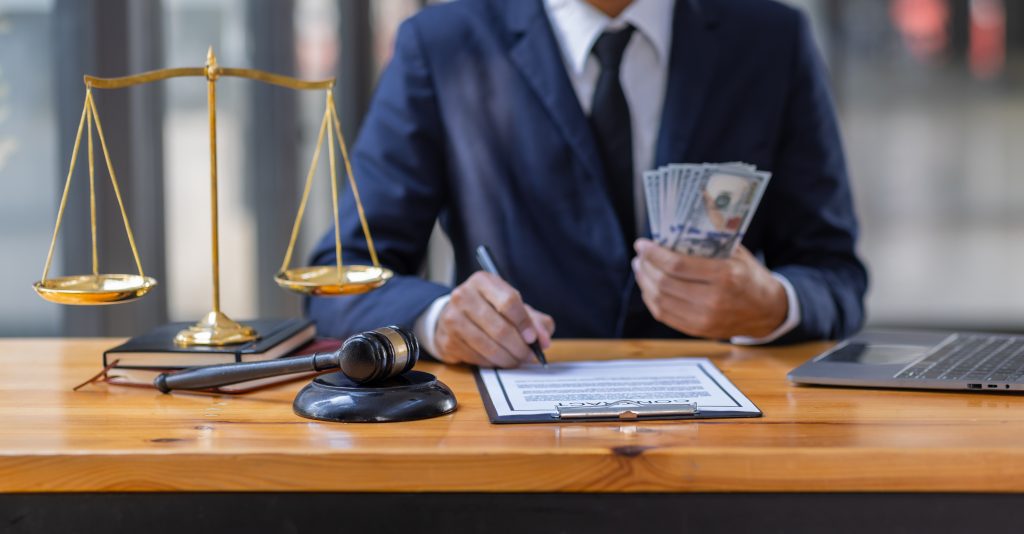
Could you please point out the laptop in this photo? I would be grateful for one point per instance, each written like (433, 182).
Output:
(920, 360)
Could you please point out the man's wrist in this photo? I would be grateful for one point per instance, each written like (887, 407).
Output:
(790, 321)
(425, 327)
(777, 305)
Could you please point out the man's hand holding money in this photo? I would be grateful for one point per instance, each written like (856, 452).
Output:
(710, 298)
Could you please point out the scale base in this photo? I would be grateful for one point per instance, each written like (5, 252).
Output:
(215, 329)
(414, 395)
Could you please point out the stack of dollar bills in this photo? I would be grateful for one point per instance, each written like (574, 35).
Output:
(702, 209)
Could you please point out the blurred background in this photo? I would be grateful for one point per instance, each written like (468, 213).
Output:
(928, 92)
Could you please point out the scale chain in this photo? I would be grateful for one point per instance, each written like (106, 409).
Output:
(92, 192)
(113, 180)
(67, 186)
(90, 115)
(352, 183)
(305, 194)
(334, 192)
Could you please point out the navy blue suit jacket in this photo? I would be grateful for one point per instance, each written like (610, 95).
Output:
(475, 122)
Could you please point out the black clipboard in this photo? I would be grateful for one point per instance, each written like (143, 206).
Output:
(617, 411)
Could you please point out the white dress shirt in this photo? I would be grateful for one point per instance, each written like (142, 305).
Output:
(643, 74)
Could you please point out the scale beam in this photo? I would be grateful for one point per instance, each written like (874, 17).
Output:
(200, 72)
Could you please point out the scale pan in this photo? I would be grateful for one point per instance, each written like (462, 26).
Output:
(323, 280)
(94, 289)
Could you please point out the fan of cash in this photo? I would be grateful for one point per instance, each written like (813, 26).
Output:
(702, 210)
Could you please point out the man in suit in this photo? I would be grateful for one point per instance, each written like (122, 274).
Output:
(525, 125)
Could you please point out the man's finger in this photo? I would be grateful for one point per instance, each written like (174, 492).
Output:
(508, 302)
(496, 326)
(688, 320)
(482, 344)
(669, 307)
(545, 325)
(743, 252)
(678, 314)
(662, 282)
(457, 351)
(648, 288)
(678, 265)
(472, 357)
(453, 348)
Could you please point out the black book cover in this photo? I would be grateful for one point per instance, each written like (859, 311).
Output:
(156, 348)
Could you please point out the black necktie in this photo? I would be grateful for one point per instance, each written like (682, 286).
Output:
(609, 117)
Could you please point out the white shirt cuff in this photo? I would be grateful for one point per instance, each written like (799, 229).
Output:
(426, 324)
(792, 318)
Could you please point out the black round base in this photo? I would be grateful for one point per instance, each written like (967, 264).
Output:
(414, 395)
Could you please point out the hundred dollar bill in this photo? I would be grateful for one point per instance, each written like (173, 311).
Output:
(719, 214)
(652, 196)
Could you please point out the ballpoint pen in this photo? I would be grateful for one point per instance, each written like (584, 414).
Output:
(486, 261)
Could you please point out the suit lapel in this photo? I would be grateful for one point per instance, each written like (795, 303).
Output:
(691, 69)
(536, 54)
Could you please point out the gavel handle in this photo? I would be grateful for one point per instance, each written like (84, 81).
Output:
(232, 373)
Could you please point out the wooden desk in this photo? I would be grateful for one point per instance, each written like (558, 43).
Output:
(108, 438)
(116, 439)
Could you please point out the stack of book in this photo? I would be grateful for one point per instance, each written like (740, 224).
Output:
(139, 360)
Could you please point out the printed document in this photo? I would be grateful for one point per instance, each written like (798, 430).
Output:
(535, 390)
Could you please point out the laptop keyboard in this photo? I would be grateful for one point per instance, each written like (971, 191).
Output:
(971, 357)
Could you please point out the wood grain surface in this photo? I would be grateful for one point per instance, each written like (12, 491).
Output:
(811, 439)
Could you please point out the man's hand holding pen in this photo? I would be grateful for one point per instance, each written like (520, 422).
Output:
(486, 323)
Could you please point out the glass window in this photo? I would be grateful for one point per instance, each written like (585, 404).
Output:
(29, 169)
(192, 26)
(930, 104)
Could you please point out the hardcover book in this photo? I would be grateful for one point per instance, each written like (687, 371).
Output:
(156, 349)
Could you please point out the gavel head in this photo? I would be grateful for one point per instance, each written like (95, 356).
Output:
(367, 361)
(378, 355)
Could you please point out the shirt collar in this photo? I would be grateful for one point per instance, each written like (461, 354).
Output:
(580, 24)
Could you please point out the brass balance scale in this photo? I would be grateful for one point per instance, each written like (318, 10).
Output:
(215, 328)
